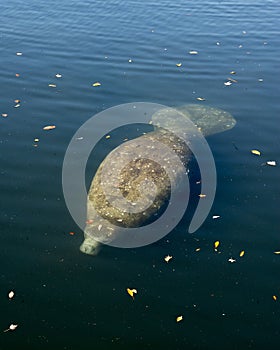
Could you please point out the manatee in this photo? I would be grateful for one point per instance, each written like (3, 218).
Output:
(105, 215)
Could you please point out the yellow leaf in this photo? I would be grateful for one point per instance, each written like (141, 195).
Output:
(178, 64)
(242, 253)
(216, 244)
(202, 195)
(200, 98)
(179, 318)
(255, 151)
(49, 127)
(107, 136)
(277, 252)
(131, 292)
(197, 249)
(96, 84)
(274, 297)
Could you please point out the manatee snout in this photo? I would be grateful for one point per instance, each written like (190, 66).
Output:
(90, 246)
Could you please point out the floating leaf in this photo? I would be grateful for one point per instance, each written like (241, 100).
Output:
(71, 233)
(232, 72)
(17, 101)
(11, 294)
(200, 98)
(36, 140)
(277, 252)
(4, 115)
(107, 136)
(17, 75)
(89, 222)
(179, 318)
(197, 249)
(193, 52)
(96, 84)
(178, 64)
(17, 105)
(167, 258)
(49, 127)
(271, 162)
(274, 297)
(241, 253)
(131, 292)
(52, 85)
(255, 151)
(202, 195)
(11, 328)
(216, 244)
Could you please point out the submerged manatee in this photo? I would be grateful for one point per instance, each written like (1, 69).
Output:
(110, 186)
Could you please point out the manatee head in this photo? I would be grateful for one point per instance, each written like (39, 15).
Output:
(90, 246)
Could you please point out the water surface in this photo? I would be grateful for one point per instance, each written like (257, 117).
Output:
(67, 300)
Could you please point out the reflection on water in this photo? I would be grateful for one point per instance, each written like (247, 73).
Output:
(63, 298)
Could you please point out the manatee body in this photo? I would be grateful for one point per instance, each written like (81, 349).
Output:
(105, 214)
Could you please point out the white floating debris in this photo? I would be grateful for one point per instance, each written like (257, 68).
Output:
(260, 80)
(271, 162)
(52, 85)
(11, 294)
(130, 60)
(19, 53)
(58, 75)
(193, 52)
(231, 260)
(167, 258)
(216, 216)
(11, 328)
(227, 83)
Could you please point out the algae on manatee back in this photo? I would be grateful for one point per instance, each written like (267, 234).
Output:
(105, 216)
